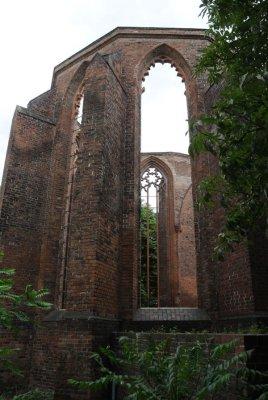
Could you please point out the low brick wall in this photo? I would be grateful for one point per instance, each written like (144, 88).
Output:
(55, 358)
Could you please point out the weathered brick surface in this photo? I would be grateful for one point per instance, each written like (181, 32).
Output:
(93, 260)
(187, 252)
(62, 349)
(98, 272)
(24, 186)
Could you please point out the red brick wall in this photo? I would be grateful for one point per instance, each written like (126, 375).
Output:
(62, 350)
(258, 254)
(24, 188)
(127, 61)
(92, 270)
(187, 253)
(102, 260)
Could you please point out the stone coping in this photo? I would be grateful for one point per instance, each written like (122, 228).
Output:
(60, 315)
(171, 314)
(130, 32)
(164, 153)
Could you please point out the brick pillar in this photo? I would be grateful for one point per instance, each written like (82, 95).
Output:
(23, 200)
(165, 284)
(24, 193)
(92, 268)
(51, 248)
(91, 276)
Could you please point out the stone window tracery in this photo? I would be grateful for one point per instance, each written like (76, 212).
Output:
(153, 193)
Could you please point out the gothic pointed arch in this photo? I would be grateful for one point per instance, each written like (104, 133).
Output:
(157, 173)
(76, 82)
(167, 54)
(154, 160)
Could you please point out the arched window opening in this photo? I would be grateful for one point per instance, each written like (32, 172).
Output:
(79, 108)
(75, 131)
(164, 118)
(153, 189)
(78, 116)
(167, 234)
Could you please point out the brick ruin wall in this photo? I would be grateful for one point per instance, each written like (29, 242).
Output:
(93, 285)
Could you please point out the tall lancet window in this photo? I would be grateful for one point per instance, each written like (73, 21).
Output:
(167, 270)
(153, 194)
(76, 129)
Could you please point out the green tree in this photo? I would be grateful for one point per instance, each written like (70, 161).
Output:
(235, 131)
(12, 311)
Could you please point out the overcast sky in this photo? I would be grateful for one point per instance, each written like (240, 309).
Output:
(163, 111)
(36, 35)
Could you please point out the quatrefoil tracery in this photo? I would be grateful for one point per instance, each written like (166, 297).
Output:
(152, 177)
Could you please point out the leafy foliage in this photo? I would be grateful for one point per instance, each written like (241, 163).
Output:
(36, 394)
(196, 371)
(236, 129)
(11, 310)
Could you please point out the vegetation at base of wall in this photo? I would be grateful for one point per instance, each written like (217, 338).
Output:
(12, 312)
(254, 329)
(154, 371)
(235, 131)
(35, 394)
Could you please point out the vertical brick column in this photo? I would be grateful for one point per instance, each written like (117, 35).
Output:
(51, 247)
(22, 211)
(24, 189)
(164, 267)
(92, 270)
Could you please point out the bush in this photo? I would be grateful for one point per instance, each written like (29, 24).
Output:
(35, 394)
(12, 305)
(196, 371)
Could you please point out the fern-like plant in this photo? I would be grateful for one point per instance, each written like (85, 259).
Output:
(196, 371)
(35, 394)
(12, 305)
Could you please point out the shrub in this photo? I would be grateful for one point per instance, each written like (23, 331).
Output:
(36, 394)
(195, 371)
(12, 305)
